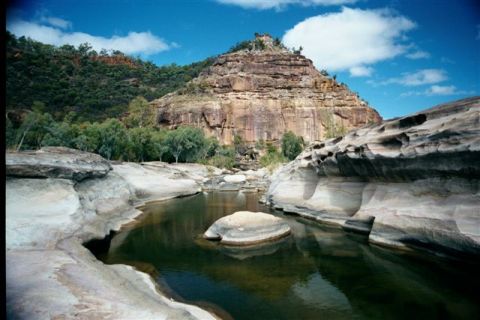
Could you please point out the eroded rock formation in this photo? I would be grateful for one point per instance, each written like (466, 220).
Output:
(261, 94)
(49, 274)
(410, 181)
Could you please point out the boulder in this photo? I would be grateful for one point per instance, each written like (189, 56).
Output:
(235, 178)
(149, 181)
(247, 228)
(56, 162)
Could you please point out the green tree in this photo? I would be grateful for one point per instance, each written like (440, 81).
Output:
(291, 145)
(139, 143)
(185, 143)
(113, 139)
(159, 146)
(32, 130)
(140, 114)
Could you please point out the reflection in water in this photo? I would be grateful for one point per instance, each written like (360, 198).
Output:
(316, 273)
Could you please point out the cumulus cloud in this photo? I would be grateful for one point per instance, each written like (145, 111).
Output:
(437, 90)
(350, 39)
(421, 77)
(280, 4)
(418, 55)
(133, 43)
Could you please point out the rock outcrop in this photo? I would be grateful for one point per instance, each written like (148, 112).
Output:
(260, 95)
(244, 228)
(49, 274)
(407, 182)
(56, 162)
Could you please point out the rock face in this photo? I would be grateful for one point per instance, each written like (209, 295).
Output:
(246, 228)
(261, 94)
(56, 162)
(411, 181)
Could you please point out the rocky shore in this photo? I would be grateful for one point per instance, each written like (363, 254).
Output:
(407, 182)
(59, 198)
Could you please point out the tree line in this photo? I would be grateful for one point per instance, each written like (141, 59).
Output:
(94, 85)
(134, 137)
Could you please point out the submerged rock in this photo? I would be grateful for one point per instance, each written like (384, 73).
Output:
(410, 181)
(56, 162)
(246, 228)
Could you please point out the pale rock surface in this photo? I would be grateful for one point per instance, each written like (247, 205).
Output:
(151, 181)
(235, 178)
(410, 181)
(246, 228)
(50, 275)
(56, 162)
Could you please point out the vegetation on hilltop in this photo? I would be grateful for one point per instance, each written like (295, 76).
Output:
(94, 85)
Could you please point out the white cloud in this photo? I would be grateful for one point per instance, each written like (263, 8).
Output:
(418, 78)
(280, 4)
(421, 77)
(418, 55)
(350, 39)
(437, 90)
(361, 71)
(441, 90)
(133, 43)
(56, 22)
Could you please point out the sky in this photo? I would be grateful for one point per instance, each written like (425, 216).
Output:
(400, 56)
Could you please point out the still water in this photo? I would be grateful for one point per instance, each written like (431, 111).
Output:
(317, 272)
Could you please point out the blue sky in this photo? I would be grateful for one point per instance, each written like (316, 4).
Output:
(400, 56)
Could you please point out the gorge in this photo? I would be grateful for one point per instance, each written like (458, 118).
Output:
(366, 181)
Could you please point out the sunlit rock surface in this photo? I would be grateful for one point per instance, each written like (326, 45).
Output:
(246, 228)
(56, 162)
(414, 181)
(261, 94)
(49, 274)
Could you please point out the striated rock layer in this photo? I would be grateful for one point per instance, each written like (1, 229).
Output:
(411, 181)
(261, 95)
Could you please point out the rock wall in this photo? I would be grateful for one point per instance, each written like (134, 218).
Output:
(407, 182)
(261, 95)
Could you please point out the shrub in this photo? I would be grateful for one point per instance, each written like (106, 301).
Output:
(273, 158)
(291, 145)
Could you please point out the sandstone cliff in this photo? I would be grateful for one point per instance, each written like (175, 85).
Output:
(411, 181)
(261, 94)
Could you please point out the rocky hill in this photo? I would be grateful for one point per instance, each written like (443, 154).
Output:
(261, 92)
